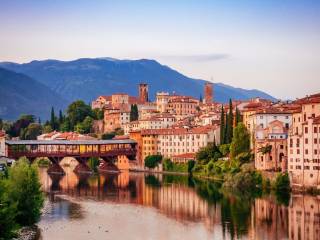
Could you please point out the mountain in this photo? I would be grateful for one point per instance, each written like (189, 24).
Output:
(87, 78)
(20, 94)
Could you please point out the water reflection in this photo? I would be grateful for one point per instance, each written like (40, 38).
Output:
(223, 215)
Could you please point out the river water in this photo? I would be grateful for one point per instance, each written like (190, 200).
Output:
(142, 206)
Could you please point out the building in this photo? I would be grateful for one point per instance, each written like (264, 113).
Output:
(183, 105)
(208, 93)
(114, 119)
(271, 147)
(143, 93)
(175, 141)
(304, 146)
(2, 143)
(162, 100)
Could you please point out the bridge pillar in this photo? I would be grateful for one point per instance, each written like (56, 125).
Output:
(55, 168)
(82, 167)
(107, 165)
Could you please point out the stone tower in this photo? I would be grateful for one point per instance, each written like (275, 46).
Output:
(208, 92)
(143, 92)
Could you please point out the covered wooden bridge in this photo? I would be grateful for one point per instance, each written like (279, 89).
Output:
(108, 151)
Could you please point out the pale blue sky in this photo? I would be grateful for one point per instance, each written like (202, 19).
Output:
(270, 45)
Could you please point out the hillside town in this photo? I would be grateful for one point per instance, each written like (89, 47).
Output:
(284, 136)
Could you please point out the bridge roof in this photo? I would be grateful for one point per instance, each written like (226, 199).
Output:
(68, 142)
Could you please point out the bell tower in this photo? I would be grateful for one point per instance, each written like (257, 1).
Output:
(208, 92)
(143, 93)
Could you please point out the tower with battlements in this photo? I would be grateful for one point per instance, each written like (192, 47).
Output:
(143, 92)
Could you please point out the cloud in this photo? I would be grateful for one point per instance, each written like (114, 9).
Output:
(198, 58)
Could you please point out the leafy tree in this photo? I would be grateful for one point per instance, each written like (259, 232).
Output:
(8, 212)
(17, 128)
(66, 125)
(167, 164)
(98, 114)
(282, 183)
(240, 142)
(24, 189)
(210, 152)
(224, 149)
(134, 113)
(152, 161)
(77, 112)
(87, 124)
(222, 126)
(47, 129)
(32, 131)
(108, 136)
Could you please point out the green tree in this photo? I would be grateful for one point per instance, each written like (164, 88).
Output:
(229, 132)
(240, 142)
(47, 129)
(210, 152)
(66, 125)
(200, 98)
(53, 120)
(282, 183)
(134, 113)
(108, 136)
(238, 117)
(32, 131)
(98, 114)
(77, 112)
(24, 189)
(8, 211)
(61, 118)
(152, 161)
(222, 126)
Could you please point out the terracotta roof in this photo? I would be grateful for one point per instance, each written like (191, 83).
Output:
(177, 131)
(315, 98)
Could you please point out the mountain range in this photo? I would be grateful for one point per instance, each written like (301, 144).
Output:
(87, 78)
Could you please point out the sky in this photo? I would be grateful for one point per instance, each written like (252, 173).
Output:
(271, 45)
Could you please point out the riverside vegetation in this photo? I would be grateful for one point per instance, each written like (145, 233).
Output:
(21, 198)
(230, 163)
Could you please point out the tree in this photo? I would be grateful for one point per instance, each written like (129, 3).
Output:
(32, 131)
(66, 125)
(108, 136)
(240, 142)
(200, 98)
(53, 120)
(1, 123)
(61, 118)
(222, 126)
(8, 211)
(77, 112)
(134, 113)
(98, 114)
(47, 128)
(17, 128)
(238, 117)
(152, 161)
(210, 152)
(24, 189)
(229, 132)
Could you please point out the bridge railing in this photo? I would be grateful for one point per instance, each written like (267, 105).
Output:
(14, 153)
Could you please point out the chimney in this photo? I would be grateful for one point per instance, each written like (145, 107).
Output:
(208, 92)
(143, 92)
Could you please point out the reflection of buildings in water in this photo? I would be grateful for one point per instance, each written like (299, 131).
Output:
(181, 203)
(304, 217)
(268, 220)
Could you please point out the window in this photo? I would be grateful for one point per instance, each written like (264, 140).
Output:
(306, 130)
(315, 151)
(315, 141)
(281, 146)
(306, 151)
(315, 129)
(306, 140)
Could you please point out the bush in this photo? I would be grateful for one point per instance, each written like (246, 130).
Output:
(167, 164)
(224, 149)
(24, 191)
(108, 136)
(282, 183)
(152, 161)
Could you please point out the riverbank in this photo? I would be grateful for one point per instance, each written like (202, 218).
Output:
(28, 233)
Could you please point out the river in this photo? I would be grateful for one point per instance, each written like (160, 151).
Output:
(142, 206)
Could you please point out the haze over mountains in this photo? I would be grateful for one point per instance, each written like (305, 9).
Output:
(58, 83)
